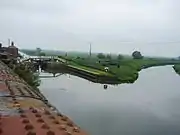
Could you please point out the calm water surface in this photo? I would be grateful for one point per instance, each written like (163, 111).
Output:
(150, 106)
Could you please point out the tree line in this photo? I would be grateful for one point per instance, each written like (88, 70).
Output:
(135, 55)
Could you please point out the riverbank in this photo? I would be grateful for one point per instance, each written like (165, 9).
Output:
(110, 71)
(177, 68)
(87, 73)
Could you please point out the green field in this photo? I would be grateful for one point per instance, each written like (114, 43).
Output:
(125, 69)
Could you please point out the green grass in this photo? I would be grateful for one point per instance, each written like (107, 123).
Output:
(126, 71)
(177, 68)
(90, 70)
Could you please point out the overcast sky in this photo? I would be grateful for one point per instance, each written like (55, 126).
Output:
(113, 26)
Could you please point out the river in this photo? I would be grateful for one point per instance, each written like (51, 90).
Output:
(150, 106)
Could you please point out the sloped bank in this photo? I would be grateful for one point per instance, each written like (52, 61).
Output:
(177, 69)
(96, 78)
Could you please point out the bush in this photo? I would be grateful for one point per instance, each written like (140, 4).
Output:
(137, 55)
(120, 57)
(101, 56)
(25, 72)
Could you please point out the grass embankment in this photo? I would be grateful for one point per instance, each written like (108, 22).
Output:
(88, 69)
(177, 68)
(125, 70)
(74, 64)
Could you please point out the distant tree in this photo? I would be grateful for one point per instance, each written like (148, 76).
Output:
(108, 56)
(101, 56)
(30, 52)
(42, 54)
(137, 55)
(120, 57)
(38, 51)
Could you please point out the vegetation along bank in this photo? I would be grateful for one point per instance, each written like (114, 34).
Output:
(108, 69)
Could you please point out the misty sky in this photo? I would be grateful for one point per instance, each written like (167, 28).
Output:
(113, 26)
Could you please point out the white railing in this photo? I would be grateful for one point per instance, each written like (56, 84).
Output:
(25, 56)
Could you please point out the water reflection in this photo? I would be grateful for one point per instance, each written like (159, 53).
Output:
(149, 106)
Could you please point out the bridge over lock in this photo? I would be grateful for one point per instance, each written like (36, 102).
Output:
(40, 63)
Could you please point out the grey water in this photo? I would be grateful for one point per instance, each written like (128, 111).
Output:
(150, 106)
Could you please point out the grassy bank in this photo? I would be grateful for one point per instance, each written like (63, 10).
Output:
(177, 68)
(124, 70)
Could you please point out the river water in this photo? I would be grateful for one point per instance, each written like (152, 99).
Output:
(150, 106)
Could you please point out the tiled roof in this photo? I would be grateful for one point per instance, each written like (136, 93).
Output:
(24, 111)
